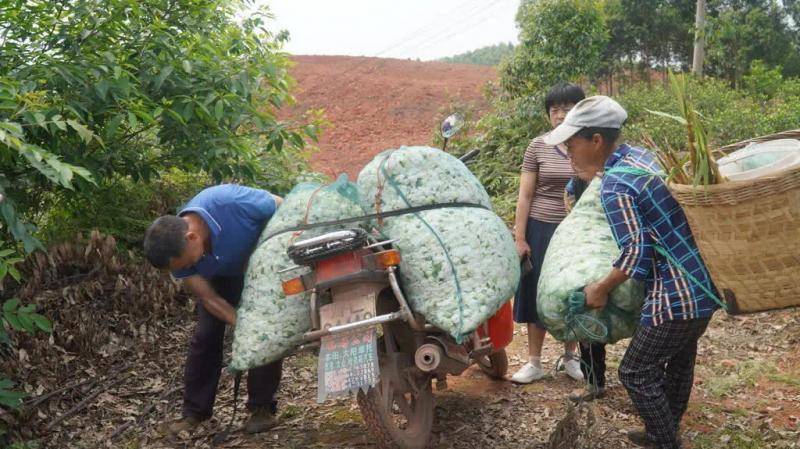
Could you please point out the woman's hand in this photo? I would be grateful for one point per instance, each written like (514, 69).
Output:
(523, 249)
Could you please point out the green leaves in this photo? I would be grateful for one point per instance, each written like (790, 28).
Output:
(560, 40)
(678, 119)
(23, 318)
(8, 259)
(129, 90)
(83, 131)
(10, 398)
(159, 80)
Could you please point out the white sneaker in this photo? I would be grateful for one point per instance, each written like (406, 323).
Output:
(573, 368)
(528, 373)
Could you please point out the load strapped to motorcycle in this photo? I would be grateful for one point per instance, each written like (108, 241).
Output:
(400, 279)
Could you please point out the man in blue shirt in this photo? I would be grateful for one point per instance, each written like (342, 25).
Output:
(208, 245)
(657, 247)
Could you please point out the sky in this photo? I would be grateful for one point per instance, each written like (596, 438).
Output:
(415, 29)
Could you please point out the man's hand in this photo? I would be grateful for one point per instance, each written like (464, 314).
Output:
(597, 292)
(210, 299)
(596, 295)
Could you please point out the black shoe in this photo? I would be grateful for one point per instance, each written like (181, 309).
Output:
(639, 438)
(586, 394)
(261, 419)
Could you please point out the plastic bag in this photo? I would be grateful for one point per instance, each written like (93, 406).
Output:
(268, 323)
(581, 252)
(459, 264)
(760, 159)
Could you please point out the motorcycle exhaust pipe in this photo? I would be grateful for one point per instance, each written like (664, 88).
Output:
(428, 357)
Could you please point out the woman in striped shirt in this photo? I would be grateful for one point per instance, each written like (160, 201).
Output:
(540, 208)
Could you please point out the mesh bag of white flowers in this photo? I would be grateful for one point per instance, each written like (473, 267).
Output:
(268, 323)
(581, 252)
(459, 263)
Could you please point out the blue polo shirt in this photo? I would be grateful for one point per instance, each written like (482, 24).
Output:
(235, 215)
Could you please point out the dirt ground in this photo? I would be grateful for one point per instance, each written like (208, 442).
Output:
(374, 104)
(747, 395)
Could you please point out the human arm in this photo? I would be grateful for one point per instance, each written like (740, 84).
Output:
(210, 299)
(527, 189)
(636, 247)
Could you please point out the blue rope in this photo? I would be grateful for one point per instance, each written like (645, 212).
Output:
(459, 295)
(659, 249)
(576, 316)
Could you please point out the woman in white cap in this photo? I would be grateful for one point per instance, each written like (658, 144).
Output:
(656, 247)
(546, 170)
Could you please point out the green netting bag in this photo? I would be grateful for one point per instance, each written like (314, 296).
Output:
(268, 323)
(581, 252)
(459, 264)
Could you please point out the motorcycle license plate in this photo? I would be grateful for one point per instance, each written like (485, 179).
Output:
(348, 361)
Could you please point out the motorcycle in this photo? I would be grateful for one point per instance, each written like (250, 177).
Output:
(372, 343)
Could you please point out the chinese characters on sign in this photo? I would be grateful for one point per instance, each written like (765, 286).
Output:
(347, 362)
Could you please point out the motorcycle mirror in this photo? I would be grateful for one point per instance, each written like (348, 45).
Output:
(451, 125)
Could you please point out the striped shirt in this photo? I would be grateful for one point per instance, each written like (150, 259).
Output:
(553, 171)
(645, 220)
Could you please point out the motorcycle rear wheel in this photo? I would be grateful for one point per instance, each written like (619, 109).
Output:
(494, 365)
(397, 415)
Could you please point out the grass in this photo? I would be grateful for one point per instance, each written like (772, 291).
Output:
(290, 411)
(730, 439)
(744, 374)
(791, 379)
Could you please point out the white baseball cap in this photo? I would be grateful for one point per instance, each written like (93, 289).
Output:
(598, 111)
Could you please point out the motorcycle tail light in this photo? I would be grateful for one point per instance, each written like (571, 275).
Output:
(294, 286)
(337, 266)
(386, 259)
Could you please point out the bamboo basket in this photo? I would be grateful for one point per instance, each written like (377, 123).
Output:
(748, 233)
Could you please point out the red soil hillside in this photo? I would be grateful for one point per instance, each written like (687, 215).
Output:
(374, 103)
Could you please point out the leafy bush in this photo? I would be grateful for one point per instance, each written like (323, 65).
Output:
(128, 90)
(120, 207)
(730, 115)
(14, 316)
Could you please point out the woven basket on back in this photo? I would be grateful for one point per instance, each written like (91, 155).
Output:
(748, 233)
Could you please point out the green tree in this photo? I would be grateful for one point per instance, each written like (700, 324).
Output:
(740, 32)
(560, 40)
(127, 89)
(490, 55)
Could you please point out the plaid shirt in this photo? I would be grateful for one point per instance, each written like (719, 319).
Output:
(643, 214)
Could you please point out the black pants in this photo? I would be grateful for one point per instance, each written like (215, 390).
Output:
(204, 362)
(593, 358)
(658, 372)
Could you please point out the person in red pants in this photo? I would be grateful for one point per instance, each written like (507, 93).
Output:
(207, 245)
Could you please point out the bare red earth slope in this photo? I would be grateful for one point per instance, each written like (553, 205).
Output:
(374, 103)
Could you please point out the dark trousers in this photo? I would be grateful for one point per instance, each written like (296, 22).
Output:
(204, 361)
(593, 358)
(658, 372)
